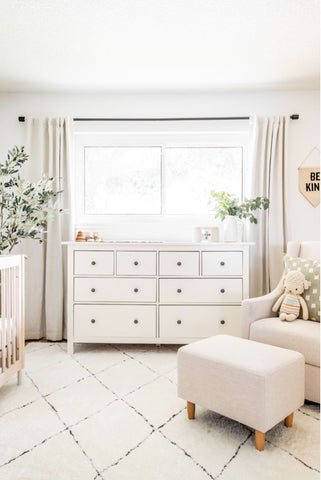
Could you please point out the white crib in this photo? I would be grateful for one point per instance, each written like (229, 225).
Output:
(11, 316)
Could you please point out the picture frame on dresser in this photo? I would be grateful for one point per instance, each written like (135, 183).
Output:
(158, 293)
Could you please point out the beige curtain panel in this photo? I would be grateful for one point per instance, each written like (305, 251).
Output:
(48, 142)
(266, 178)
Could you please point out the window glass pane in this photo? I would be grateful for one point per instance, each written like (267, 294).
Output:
(122, 180)
(191, 173)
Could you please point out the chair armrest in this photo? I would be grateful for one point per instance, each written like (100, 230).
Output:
(256, 308)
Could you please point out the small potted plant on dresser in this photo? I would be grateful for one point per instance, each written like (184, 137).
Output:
(230, 210)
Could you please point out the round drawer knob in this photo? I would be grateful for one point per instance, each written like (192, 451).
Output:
(179, 264)
(93, 262)
(136, 263)
(135, 290)
(136, 321)
(222, 322)
(179, 290)
(222, 264)
(93, 320)
(179, 322)
(93, 290)
(222, 290)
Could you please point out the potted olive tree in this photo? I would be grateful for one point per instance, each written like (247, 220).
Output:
(24, 206)
(230, 210)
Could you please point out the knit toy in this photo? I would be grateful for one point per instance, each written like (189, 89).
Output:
(291, 301)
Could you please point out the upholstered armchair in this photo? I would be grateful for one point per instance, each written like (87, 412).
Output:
(260, 324)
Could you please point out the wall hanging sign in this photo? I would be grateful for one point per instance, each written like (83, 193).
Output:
(309, 181)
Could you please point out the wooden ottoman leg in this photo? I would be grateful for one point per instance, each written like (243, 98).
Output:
(259, 440)
(190, 410)
(288, 421)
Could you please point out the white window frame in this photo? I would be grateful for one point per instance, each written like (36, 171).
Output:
(141, 139)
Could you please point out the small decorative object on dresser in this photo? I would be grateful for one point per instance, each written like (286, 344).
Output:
(154, 292)
(206, 234)
(232, 211)
(230, 228)
(97, 238)
(88, 237)
(81, 237)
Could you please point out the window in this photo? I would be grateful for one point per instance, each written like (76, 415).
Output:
(154, 177)
(190, 174)
(122, 180)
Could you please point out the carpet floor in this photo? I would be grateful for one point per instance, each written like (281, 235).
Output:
(111, 412)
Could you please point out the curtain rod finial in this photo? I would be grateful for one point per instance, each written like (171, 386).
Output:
(295, 116)
(21, 119)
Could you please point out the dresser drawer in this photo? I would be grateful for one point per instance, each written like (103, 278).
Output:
(179, 263)
(198, 321)
(136, 263)
(114, 321)
(93, 263)
(201, 290)
(114, 290)
(222, 263)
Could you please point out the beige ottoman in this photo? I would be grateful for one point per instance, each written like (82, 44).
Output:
(255, 384)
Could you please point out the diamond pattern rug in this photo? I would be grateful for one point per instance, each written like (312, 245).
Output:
(111, 412)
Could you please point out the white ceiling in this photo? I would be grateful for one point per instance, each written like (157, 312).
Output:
(158, 45)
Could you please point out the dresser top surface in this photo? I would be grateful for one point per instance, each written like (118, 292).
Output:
(129, 243)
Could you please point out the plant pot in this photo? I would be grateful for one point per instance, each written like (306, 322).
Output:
(231, 229)
(240, 231)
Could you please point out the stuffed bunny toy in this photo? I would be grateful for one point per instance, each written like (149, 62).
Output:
(291, 301)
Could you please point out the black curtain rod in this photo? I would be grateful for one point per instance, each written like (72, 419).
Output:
(295, 116)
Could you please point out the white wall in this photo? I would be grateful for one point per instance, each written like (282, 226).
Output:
(302, 220)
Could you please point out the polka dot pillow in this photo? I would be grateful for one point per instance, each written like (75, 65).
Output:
(311, 270)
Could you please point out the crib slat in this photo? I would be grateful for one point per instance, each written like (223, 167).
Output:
(2, 342)
(4, 319)
(21, 305)
(18, 313)
(5, 313)
(11, 316)
(8, 317)
(14, 314)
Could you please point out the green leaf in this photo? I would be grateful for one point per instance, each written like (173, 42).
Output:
(24, 206)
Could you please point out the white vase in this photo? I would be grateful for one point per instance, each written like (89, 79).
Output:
(230, 229)
(240, 230)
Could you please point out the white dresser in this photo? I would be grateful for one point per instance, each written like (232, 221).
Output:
(154, 292)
